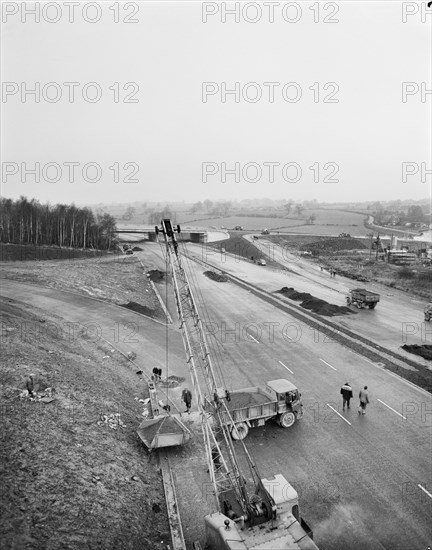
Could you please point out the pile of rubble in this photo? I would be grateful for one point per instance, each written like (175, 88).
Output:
(113, 420)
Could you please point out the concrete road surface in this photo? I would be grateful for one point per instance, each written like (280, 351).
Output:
(364, 482)
(396, 320)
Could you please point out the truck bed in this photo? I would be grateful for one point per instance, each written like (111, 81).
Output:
(250, 405)
(365, 294)
(244, 399)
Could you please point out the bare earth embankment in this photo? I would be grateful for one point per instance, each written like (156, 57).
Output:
(117, 279)
(74, 474)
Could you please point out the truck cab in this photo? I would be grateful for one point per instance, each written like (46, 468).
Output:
(288, 397)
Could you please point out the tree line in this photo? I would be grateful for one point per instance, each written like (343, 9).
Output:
(30, 222)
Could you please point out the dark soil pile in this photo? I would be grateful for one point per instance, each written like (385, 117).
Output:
(156, 276)
(172, 381)
(424, 351)
(140, 309)
(316, 305)
(218, 277)
(137, 249)
(334, 244)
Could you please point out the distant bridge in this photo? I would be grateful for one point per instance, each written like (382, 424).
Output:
(148, 232)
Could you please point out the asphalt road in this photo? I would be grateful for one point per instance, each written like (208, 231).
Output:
(364, 482)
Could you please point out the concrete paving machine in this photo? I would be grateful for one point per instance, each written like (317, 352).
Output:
(267, 518)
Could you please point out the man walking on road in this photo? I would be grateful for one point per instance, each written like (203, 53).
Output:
(364, 400)
(347, 393)
(187, 398)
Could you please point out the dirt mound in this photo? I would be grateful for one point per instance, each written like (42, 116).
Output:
(137, 249)
(172, 381)
(139, 309)
(334, 244)
(218, 277)
(155, 275)
(424, 351)
(316, 305)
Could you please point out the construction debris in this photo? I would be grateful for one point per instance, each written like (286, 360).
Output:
(113, 420)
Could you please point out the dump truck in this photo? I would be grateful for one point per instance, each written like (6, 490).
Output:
(428, 312)
(362, 298)
(252, 407)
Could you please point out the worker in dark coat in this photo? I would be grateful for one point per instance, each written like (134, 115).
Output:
(347, 394)
(187, 398)
(30, 385)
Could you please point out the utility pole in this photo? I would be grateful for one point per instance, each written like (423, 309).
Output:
(370, 250)
(378, 242)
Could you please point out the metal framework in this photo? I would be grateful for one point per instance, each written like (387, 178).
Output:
(224, 470)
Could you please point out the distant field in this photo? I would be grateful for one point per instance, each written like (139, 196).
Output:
(328, 222)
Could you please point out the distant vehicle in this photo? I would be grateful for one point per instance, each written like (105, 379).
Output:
(129, 251)
(238, 228)
(344, 235)
(362, 298)
(255, 237)
(428, 312)
(265, 232)
(261, 261)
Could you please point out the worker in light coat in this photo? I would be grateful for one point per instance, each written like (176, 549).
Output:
(364, 400)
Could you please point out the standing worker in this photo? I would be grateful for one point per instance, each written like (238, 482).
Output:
(347, 394)
(30, 385)
(187, 398)
(364, 400)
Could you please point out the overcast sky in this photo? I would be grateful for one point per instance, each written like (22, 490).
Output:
(353, 127)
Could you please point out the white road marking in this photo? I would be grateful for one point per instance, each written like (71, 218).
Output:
(423, 489)
(333, 409)
(328, 364)
(254, 339)
(388, 406)
(286, 367)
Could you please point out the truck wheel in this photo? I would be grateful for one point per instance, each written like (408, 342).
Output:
(239, 431)
(372, 306)
(287, 419)
(427, 317)
(348, 301)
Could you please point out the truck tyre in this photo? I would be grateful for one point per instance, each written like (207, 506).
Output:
(372, 306)
(348, 301)
(427, 317)
(239, 431)
(287, 419)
